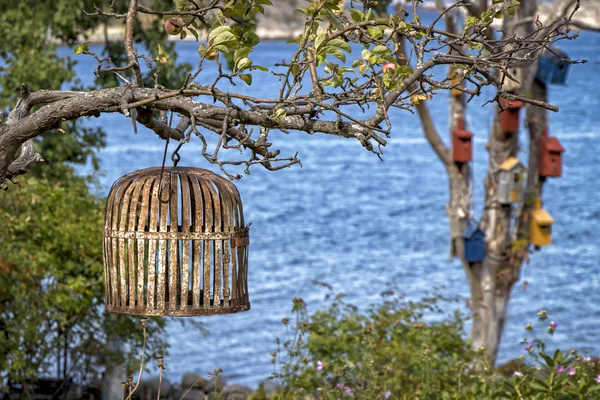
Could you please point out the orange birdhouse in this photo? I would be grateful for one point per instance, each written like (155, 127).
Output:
(509, 118)
(550, 157)
(462, 145)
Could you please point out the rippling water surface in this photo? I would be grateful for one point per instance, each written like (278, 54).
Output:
(348, 219)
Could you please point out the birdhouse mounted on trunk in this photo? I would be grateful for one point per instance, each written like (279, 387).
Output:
(474, 240)
(175, 244)
(455, 80)
(550, 156)
(553, 67)
(541, 228)
(509, 118)
(509, 181)
(462, 143)
(512, 84)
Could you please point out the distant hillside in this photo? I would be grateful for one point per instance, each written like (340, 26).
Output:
(282, 21)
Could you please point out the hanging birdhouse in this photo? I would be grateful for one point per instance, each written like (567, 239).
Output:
(175, 244)
(541, 228)
(550, 157)
(512, 84)
(509, 118)
(553, 67)
(462, 145)
(474, 240)
(510, 177)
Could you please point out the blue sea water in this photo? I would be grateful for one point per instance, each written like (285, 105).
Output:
(358, 223)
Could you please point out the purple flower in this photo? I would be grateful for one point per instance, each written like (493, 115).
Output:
(339, 386)
(318, 389)
(387, 395)
(517, 373)
(528, 347)
(560, 368)
(571, 371)
(553, 324)
(598, 379)
(319, 365)
(349, 392)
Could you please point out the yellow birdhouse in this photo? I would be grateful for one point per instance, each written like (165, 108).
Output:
(541, 227)
(455, 80)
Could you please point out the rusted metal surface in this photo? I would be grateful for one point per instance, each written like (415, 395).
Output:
(175, 245)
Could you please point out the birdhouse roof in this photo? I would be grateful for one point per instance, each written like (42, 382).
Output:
(553, 144)
(463, 134)
(511, 163)
(472, 229)
(542, 217)
(511, 104)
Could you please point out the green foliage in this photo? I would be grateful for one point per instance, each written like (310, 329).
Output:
(413, 350)
(51, 290)
(51, 282)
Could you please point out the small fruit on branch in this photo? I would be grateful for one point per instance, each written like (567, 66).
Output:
(174, 26)
(388, 66)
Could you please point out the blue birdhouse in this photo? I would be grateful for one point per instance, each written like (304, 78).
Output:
(474, 242)
(552, 69)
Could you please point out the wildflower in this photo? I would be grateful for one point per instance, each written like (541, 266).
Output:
(318, 389)
(571, 371)
(320, 365)
(518, 373)
(529, 327)
(339, 386)
(349, 392)
(587, 359)
(553, 324)
(387, 395)
(598, 379)
(560, 368)
(542, 314)
(529, 348)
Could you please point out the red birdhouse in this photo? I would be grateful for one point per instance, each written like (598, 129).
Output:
(550, 157)
(462, 145)
(509, 118)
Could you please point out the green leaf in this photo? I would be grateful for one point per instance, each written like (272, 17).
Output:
(221, 34)
(357, 15)
(335, 52)
(380, 49)
(247, 78)
(319, 40)
(83, 47)
(342, 44)
(241, 53)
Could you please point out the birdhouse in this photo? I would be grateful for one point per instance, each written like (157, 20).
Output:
(512, 84)
(541, 228)
(509, 179)
(509, 117)
(175, 244)
(553, 67)
(455, 80)
(473, 238)
(462, 145)
(550, 157)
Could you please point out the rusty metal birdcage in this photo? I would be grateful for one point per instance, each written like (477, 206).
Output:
(175, 244)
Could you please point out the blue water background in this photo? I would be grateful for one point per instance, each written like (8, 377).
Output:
(351, 220)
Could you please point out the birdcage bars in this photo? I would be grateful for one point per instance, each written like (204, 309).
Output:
(175, 244)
